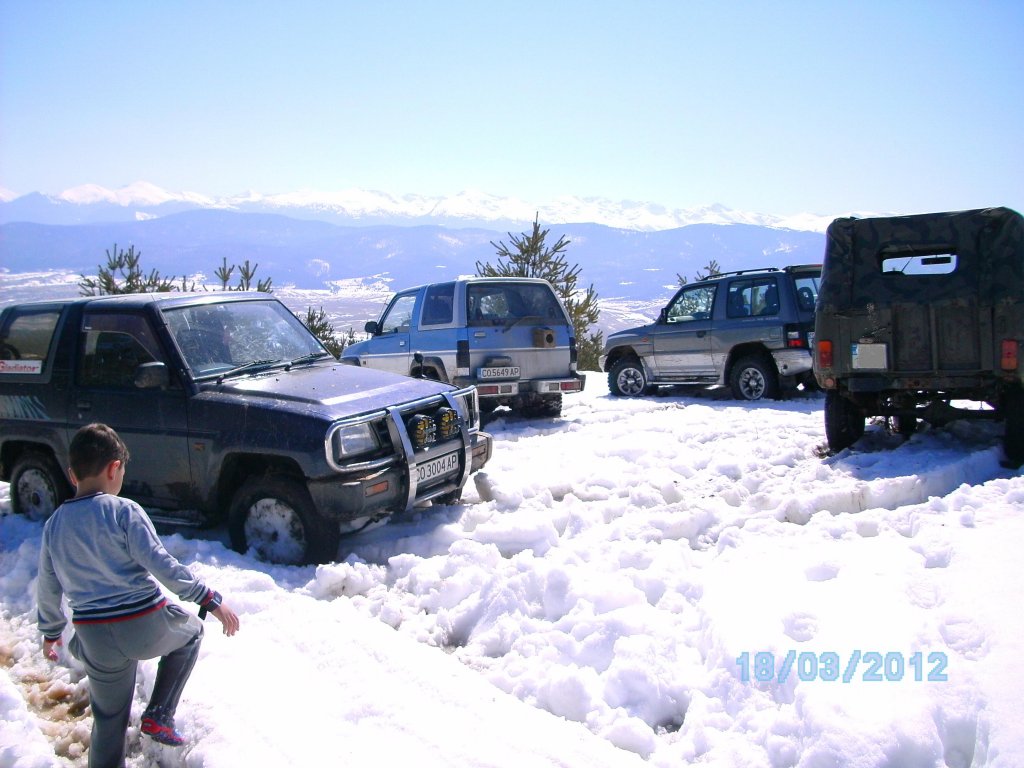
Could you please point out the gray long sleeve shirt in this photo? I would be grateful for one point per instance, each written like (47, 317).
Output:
(103, 553)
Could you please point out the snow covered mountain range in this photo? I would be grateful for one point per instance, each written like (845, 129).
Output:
(630, 251)
(91, 203)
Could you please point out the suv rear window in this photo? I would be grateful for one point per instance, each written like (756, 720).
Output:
(908, 262)
(26, 337)
(501, 303)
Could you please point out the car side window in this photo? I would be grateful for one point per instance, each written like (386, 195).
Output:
(399, 315)
(764, 297)
(113, 346)
(758, 297)
(438, 304)
(26, 338)
(692, 304)
(807, 292)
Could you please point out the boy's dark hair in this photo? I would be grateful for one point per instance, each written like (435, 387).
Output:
(93, 447)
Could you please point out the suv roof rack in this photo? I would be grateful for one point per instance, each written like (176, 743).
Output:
(757, 269)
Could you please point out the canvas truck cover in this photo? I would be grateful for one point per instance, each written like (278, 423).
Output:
(987, 247)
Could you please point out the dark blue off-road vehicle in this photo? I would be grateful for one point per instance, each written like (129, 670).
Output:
(231, 409)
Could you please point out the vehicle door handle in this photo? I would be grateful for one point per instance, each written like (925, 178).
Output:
(401, 343)
(84, 405)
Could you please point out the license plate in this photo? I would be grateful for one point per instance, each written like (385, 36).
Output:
(439, 467)
(508, 372)
(871, 357)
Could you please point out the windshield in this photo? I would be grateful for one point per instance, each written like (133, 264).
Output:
(244, 335)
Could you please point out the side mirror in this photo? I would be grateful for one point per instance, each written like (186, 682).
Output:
(663, 316)
(152, 376)
(371, 328)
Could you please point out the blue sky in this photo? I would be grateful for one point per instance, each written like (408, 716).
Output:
(773, 107)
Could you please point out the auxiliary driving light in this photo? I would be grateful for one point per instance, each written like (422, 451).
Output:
(447, 423)
(422, 430)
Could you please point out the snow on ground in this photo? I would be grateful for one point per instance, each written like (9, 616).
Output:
(642, 582)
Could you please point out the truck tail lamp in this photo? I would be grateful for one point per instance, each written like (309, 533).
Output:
(795, 338)
(823, 348)
(1008, 358)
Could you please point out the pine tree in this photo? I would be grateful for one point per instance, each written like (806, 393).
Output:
(530, 256)
(123, 274)
(710, 270)
(321, 326)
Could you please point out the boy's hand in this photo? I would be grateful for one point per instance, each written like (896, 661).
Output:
(227, 618)
(50, 648)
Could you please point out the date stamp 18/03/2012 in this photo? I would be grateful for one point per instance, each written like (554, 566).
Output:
(829, 666)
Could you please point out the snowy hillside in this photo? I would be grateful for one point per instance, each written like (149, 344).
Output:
(662, 582)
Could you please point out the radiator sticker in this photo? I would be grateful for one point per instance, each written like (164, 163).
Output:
(21, 366)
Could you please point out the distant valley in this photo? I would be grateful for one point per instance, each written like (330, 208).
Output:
(351, 268)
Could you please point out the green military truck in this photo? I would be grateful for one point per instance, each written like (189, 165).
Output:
(917, 314)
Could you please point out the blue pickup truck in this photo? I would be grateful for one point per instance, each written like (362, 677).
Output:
(510, 337)
(231, 409)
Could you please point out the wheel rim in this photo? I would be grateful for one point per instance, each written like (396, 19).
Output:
(275, 531)
(630, 381)
(36, 495)
(752, 383)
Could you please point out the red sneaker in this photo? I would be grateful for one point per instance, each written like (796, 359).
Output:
(165, 734)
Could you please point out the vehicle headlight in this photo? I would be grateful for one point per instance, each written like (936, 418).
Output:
(422, 430)
(354, 439)
(447, 423)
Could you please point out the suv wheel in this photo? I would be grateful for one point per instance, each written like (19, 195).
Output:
(753, 379)
(275, 516)
(548, 406)
(1013, 419)
(38, 486)
(904, 425)
(844, 421)
(627, 379)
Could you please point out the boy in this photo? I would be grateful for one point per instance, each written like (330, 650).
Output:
(103, 552)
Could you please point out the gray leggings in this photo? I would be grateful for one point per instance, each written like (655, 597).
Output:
(111, 652)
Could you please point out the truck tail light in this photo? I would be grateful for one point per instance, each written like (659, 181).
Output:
(573, 353)
(795, 338)
(1008, 360)
(824, 352)
(462, 357)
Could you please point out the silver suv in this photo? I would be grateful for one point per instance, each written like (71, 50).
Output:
(751, 330)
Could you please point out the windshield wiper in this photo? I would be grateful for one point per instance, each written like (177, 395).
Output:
(306, 358)
(252, 365)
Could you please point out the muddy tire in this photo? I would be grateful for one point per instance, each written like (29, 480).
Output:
(1012, 405)
(38, 486)
(844, 421)
(275, 517)
(548, 406)
(904, 425)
